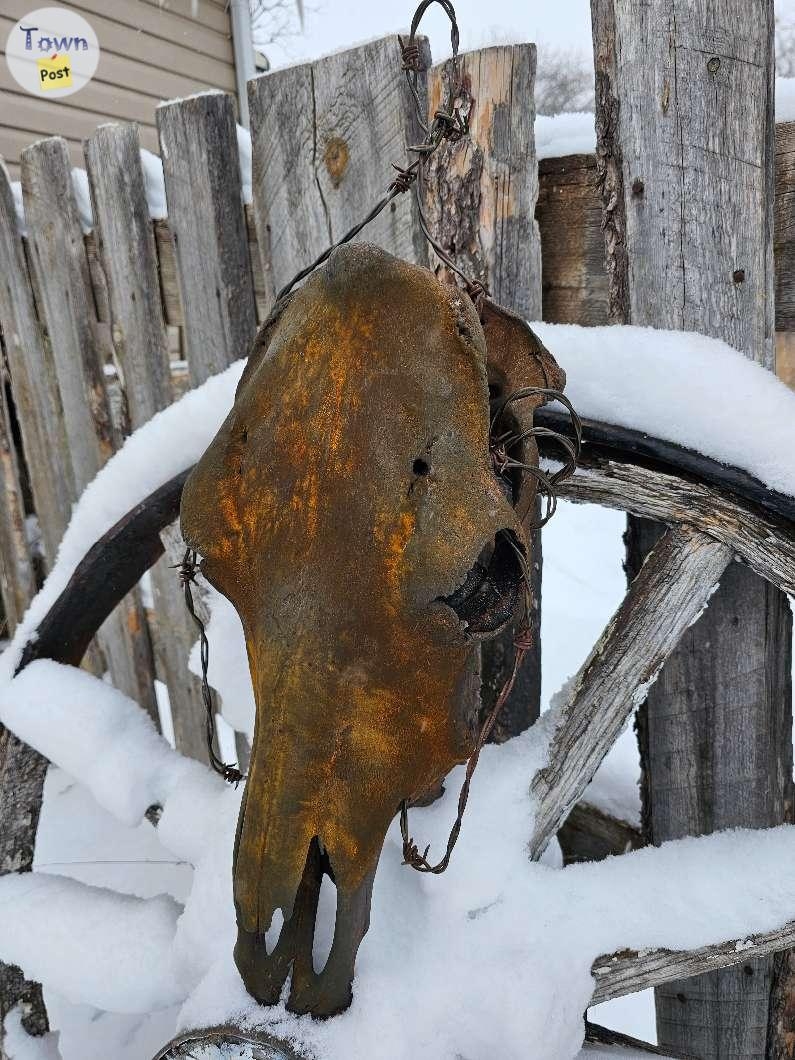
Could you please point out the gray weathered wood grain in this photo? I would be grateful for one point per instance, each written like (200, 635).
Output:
(628, 971)
(128, 253)
(68, 313)
(685, 146)
(59, 259)
(129, 259)
(670, 591)
(17, 578)
(34, 383)
(481, 191)
(323, 137)
(198, 146)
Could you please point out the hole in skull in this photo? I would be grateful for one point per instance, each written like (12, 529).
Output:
(274, 931)
(490, 592)
(421, 467)
(324, 924)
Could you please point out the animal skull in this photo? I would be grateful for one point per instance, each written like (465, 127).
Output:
(349, 510)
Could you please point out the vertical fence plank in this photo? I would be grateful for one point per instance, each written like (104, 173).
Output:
(202, 171)
(198, 144)
(33, 381)
(17, 579)
(482, 190)
(129, 257)
(784, 251)
(59, 262)
(685, 149)
(480, 201)
(569, 215)
(323, 137)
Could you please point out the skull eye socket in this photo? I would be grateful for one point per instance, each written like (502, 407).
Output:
(421, 467)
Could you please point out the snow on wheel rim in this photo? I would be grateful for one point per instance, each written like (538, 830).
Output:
(223, 1045)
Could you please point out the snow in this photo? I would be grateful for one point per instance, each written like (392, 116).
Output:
(244, 153)
(92, 942)
(82, 199)
(672, 384)
(785, 99)
(19, 1045)
(565, 134)
(154, 184)
(97, 735)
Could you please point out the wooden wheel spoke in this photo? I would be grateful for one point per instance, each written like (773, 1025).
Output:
(628, 971)
(670, 592)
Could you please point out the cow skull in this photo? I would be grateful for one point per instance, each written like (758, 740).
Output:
(349, 510)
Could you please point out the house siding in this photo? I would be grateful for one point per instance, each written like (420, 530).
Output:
(148, 52)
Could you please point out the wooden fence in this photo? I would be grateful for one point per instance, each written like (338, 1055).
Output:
(100, 330)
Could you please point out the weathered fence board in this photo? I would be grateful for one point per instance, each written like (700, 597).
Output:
(17, 577)
(198, 145)
(323, 137)
(482, 190)
(128, 254)
(685, 150)
(33, 382)
(68, 313)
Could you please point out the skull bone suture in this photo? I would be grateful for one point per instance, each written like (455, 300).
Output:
(349, 510)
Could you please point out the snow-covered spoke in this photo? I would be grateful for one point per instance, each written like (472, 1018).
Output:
(92, 945)
(107, 743)
(668, 595)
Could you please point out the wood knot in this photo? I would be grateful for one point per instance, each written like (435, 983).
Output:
(336, 157)
(739, 275)
(638, 187)
(714, 64)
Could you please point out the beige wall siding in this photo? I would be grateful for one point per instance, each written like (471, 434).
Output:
(150, 51)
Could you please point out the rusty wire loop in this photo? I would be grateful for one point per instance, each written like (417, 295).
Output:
(187, 576)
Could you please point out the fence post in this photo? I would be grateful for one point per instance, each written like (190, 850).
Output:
(198, 141)
(323, 137)
(481, 197)
(69, 317)
(198, 145)
(33, 382)
(128, 254)
(685, 152)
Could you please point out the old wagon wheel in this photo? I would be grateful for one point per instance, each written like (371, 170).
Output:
(714, 514)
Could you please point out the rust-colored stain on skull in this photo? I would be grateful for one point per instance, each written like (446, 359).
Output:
(349, 510)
